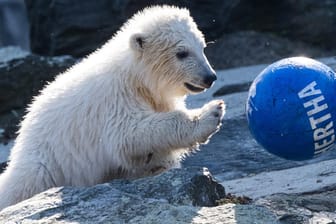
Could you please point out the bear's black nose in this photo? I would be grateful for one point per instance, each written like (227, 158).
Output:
(209, 79)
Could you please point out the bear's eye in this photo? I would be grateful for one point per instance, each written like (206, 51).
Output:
(182, 54)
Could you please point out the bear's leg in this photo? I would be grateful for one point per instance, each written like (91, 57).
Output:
(20, 182)
(177, 129)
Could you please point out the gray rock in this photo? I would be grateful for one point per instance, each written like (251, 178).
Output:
(134, 202)
(166, 198)
(188, 186)
(313, 207)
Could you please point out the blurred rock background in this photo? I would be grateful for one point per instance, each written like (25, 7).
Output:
(239, 32)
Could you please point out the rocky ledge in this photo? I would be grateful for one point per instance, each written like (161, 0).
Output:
(176, 196)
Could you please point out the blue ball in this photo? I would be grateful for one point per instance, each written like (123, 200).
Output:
(291, 108)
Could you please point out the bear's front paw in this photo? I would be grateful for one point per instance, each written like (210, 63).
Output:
(210, 120)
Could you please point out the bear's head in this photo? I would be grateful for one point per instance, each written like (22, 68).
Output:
(169, 47)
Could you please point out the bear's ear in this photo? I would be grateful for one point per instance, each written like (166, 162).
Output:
(138, 42)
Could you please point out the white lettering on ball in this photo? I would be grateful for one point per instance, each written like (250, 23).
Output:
(324, 136)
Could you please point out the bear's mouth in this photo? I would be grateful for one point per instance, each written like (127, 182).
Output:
(193, 88)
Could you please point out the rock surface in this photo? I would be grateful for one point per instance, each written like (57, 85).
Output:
(314, 207)
(308, 178)
(189, 186)
(166, 198)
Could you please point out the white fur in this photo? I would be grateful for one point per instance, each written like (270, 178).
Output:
(117, 114)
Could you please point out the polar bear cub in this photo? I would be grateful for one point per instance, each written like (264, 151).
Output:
(120, 112)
